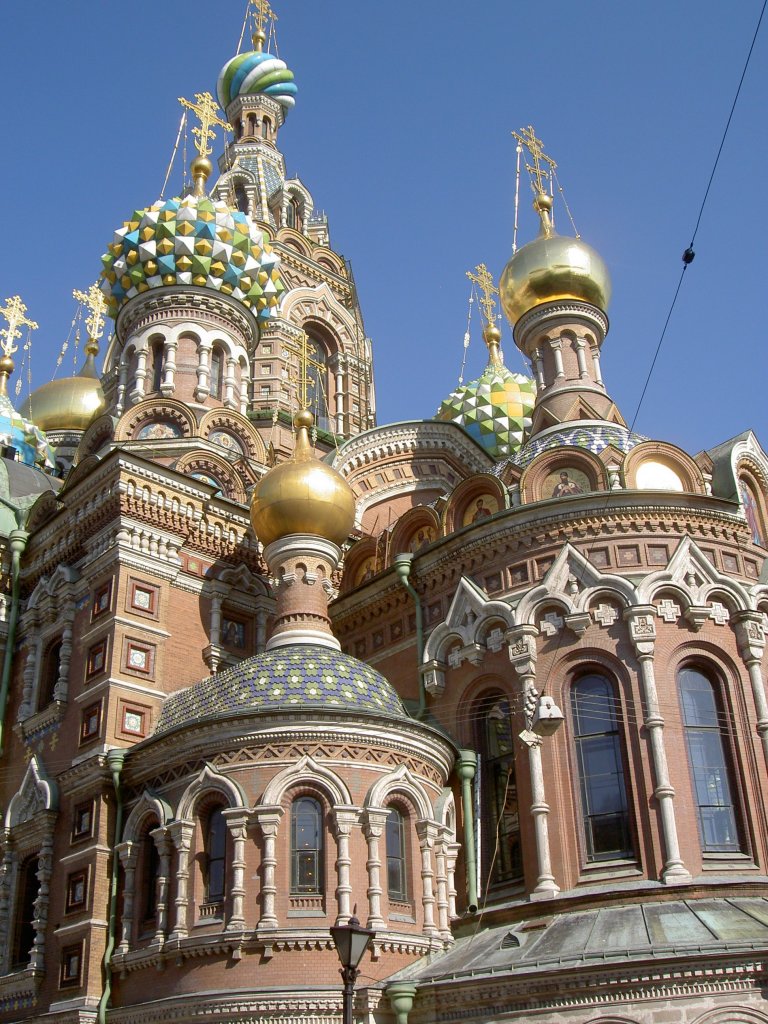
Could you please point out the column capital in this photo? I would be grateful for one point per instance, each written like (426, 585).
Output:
(750, 634)
(642, 628)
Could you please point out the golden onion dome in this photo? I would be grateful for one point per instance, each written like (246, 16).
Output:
(551, 268)
(71, 403)
(302, 495)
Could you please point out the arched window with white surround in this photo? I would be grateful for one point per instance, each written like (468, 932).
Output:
(600, 759)
(706, 738)
(217, 372)
(395, 832)
(306, 846)
(214, 859)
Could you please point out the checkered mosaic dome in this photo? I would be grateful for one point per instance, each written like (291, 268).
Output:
(302, 676)
(250, 73)
(192, 241)
(594, 437)
(495, 409)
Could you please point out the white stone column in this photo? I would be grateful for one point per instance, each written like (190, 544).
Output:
(374, 821)
(162, 841)
(203, 388)
(750, 636)
(61, 690)
(30, 675)
(522, 654)
(181, 833)
(579, 344)
(426, 833)
(37, 958)
(168, 384)
(268, 819)
(139, 384)
(453, 853)
(127, 854)
(344, 819)
(229, 383)
(122, 383)
(596, 363)
(538, 367)
(642, 633)
(557, 351)
(237, 822)
(441, 877)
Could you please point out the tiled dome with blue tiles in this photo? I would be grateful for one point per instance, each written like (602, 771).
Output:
(302, 676)
(594, 437)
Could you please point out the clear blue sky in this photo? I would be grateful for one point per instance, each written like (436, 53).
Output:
(402, 133)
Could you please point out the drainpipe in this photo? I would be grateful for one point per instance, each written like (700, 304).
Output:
(466, 766)
(402, 564)
(18, 543)
(115, 760)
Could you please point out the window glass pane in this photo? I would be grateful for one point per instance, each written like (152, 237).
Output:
(499, 813)
(216, 849)
(306, 846)
(395, 855)
(24, 931)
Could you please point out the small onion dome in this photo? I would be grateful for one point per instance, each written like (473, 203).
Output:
(302, 677)
(18, 431)
(248, 74)
(496, 408)
(302, 495)
(71, 403)
(552, 268)
(192, 241)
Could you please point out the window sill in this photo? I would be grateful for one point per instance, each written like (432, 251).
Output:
(40, 720)
(306, 912)
(402, 918)
(619, 868)
(727, 862)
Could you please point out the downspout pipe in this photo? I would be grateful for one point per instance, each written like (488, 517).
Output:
(17, 540)
(115, 759)
(466, 767)
(403, 563)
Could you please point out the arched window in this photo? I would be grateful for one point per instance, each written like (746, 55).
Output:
(266, 125)
(501, 850)
(150, 874)
(601, 769)
(290, 214)
(215, 856)
(397, 886)
(217, 362)
(158, 353)
(704, 724)
(49, 675)
(317, 371)
(306, 846)
(241, 198)
(24, 918)
(751, 508)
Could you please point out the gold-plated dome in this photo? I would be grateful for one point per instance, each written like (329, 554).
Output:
(302, 495)
(551, 268)
(71, 403)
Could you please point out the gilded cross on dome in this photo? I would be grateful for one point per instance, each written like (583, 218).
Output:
(262, 12)
(302, 380)
(94, 300)
(543, 166)
(206, 110)
(14, 312)
(483, 279)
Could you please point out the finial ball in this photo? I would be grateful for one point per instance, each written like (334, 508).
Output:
(303, 418)
(492, 335)
(543, 202)
(201, 167)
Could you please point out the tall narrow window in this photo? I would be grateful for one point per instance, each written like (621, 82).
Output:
(704, 731)
(49, 675)
(601, 769)
(24, 919)
(217, 360)
(241, 198)
(306, 846)
(215, 857)
(151, 871)
(158, 352)
(395, 833)
(266, 124)
(500, 815)
(317, 371)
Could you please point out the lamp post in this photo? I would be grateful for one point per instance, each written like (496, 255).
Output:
(351, 942)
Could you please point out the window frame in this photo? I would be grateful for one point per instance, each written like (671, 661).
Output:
(398, 858)
(214, 898)
(316, 852)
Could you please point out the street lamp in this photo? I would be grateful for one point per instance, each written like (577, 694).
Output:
(351, 942)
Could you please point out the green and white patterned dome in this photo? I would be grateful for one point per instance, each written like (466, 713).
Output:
(496, 408)
(192, 241)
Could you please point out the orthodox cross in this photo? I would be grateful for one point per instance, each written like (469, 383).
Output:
(305, 351)
(94, 300)
(484, 281)
(14, 313)
(261, 12)
(207, 111)
(543, 166)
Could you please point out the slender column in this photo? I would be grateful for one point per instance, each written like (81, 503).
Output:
(122, 383)
(345, 818)
(40, 921)
(642, 633)
(203, 388)
(373, 826)
(181, 833)
(7, 873)
(127, 854)
(269, 822)
(453, 853)
(229, 383)
(441, 877)
(61, 689)
(237, 823)
(579, 344)
(168, 384)
(261, 630)
(538, 365)
(596, 364)
(163, 843)
(426, 833)
(31, 673)
(141, 377)
(522, 654)
(750, 636)
(245, 383)
(339, 397)
(557, 351)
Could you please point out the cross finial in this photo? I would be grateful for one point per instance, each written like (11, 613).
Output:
(302, 379)
(13, 312)
(206, 109)
(483, 279)
(94, 300)
(543, 166)
(262, 12)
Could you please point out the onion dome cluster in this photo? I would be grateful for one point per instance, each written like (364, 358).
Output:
(192, 241)
(553, 268)
(302, 495)
(249, 74)
(495, 409)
